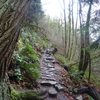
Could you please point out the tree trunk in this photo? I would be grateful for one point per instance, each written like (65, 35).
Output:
(73, 35)
(69, 32)
(87, 54)
(81, 63)
(12, 13)
(65, 28)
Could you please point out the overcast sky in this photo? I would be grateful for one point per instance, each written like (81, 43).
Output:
(52, 7)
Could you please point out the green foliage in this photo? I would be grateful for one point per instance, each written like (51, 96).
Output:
(75, 89)
(61, 59)
(28, 36)
(29, 95)
(76, 75)
(18, 74)
(28, 60)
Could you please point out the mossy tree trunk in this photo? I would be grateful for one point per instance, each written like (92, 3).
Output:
(65, 27)
(69, 32)
(85, 55)
(81, 63)
(75, 46)
(73, 35)
(12, 13)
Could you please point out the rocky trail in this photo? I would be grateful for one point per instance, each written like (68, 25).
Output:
(51, 79)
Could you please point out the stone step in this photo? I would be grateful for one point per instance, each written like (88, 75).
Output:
(52, 92)
(51, 69)
(50, 66)
(48, 83)
(47, 74)
(47, 61)
(59, 87)
(47, 78)
(49, 58)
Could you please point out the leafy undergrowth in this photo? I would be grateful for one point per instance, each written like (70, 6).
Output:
(72, 79)
(24, 67)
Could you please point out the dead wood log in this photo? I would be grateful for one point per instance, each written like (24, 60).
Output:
(54, 51)
(90, 91)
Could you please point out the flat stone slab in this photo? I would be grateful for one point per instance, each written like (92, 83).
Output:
(52, 79)
(52, 92)
(59, 87)
(49, 75)
(53, 82)
(47, 72)
(51, 69)
(48, 78)
(47, 55)
(43, 73)
(50, 66)
(44, 77)
(45, 68)
(47, 61)
(48, 83)
(45, 83)
(49, 58)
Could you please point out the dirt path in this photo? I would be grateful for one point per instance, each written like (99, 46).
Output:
(51, 79)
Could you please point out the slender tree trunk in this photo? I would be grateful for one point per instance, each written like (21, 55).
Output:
(65, 28)
(76, 25)
(73, 35)
(69, 32)
(12, 13)
(81, 63)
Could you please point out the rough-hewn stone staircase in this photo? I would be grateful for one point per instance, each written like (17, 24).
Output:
(49, 80)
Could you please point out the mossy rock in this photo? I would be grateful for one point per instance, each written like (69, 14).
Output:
(14, 94)
(27, 95)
